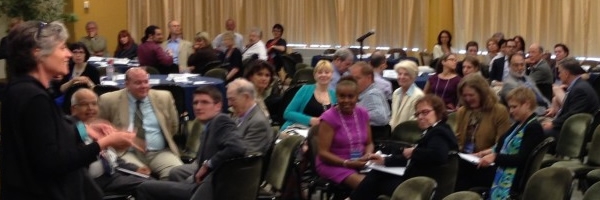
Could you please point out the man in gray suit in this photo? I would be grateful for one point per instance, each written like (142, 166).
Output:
(252, 123)
(540, 71)
(220, 142)
(517, 77)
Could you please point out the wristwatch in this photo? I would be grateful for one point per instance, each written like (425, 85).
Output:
(207, 164)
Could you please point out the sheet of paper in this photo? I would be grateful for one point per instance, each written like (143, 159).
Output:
(390, 170)
(121, 61)
(120, 77)
(202, 82)
(101, 64)
(180, 79)
(390, 73)
(470, 158)
(154, 81)
(112, 83)
(95, 59)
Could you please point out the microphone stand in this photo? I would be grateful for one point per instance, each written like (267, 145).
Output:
(360, 51)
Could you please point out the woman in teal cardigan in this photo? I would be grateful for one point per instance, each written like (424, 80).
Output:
(311, 100)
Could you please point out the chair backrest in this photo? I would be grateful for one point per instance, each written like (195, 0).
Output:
(594, 122)
(416, 188)
(426, 58)
(281, 163)
(300, 66)
(303, 76)
(592, 193)
(210, 65)
(238, 178)
(329, 51)
(101, 89)
(551, 183)
(152, 70)
(572, 134)
(463, 195)
(286, 98)
(381, 132)
(451, 121)
(446, 176)
(219, 73)
(594, 153)
(289, 65)
(534, 162)
(407, 131)
(400, 51)
(178, 94)
(313, 146)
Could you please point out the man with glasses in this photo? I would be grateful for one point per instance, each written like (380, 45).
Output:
(149, 113)
(219, 142)
(500, 67)
(517, 77)
(95, 43)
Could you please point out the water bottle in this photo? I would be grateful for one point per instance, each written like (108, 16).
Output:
(110, 70)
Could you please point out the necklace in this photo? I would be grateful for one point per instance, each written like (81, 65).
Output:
(353, 148)
(445, 87)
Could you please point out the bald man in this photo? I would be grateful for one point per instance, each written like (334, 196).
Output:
(540, 70)
(95, 43)
(239, 39)
(151, 114)
(179, 48)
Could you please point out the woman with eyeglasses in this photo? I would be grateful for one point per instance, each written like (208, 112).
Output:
(41, 155)
(480, 122)
(424, 159)
(444, 83)
(79, 71)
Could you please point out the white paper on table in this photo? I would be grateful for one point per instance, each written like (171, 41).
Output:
(585, 67)
(95, 59)
(101, 64)
(390, 73)
(202, 82)
(111, 83)
(470, 158)
(154, 81)
(180, 79)
(121, 61)
(390, 170)
(120, 77)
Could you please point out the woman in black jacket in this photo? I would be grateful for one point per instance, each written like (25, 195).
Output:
(424, 159)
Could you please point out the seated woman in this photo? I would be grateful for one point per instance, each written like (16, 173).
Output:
(444, 45)
(126, 47)
(404, 98)
(311, 100)
(471, 65)
(444, 83)
(232, 57)
(431, 152)
(276, 47)
(79, 72)
(512, 150)
(344, 137)
(262, 74)
(480, 122)
(203, 54)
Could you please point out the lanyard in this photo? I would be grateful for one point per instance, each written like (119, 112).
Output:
(347, 130)
(513, 134)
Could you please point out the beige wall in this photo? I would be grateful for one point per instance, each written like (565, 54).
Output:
(111, 16)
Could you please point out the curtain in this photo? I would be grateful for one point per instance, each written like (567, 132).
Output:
(398, 23)
(547, 22)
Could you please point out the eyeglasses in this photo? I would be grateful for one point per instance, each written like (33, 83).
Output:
(40, 27)
(422, 113)
(78, 52)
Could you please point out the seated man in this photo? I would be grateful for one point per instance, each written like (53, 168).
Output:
(579, 98)
(370, 97)
(518, 78)
(84, 109)
(153, 116)
(253, 126)
(379, 63)
(255, 45)
(220, 142)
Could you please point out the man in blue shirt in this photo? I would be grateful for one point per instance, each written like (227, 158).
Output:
(178, 48)
(370, 97)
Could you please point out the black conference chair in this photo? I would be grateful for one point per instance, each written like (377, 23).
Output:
(238, 178)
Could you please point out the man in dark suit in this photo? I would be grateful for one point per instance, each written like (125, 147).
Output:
(220, 142)
(580, 96)
(499, 69)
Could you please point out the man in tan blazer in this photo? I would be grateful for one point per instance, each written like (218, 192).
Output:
(177, 47)
(149, 113)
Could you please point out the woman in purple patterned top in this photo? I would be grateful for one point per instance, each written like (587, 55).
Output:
(344, 137)
(445, 82)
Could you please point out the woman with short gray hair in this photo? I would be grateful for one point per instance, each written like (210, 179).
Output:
(41, 155)
(404, 98)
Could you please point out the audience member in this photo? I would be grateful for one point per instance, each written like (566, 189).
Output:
(79, 70)
(580, 97)
(498, 36)
(232, 58)
(539, 70)
(480, 122)
(95, 43)
(151, 54)
(262, 75)
(493, 49)
(13, 22)
(379, 63)
(84, 109)
(445, 82)
(499, 68)
(405, 97)
(511, 152)
(443, 45)
(471, 65)
(255, 45)
(203, 54)
(424, 159)
(344, 137)
(561, 51)
(127, 48)
(276, 47)
(311, 100)
(152, 114)
(41, 156)
(220, 142)
(517, 78)
(177, 47)
(472, 49)
(342, 60)
(369, 96)
(237, 38)
(520, 44)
